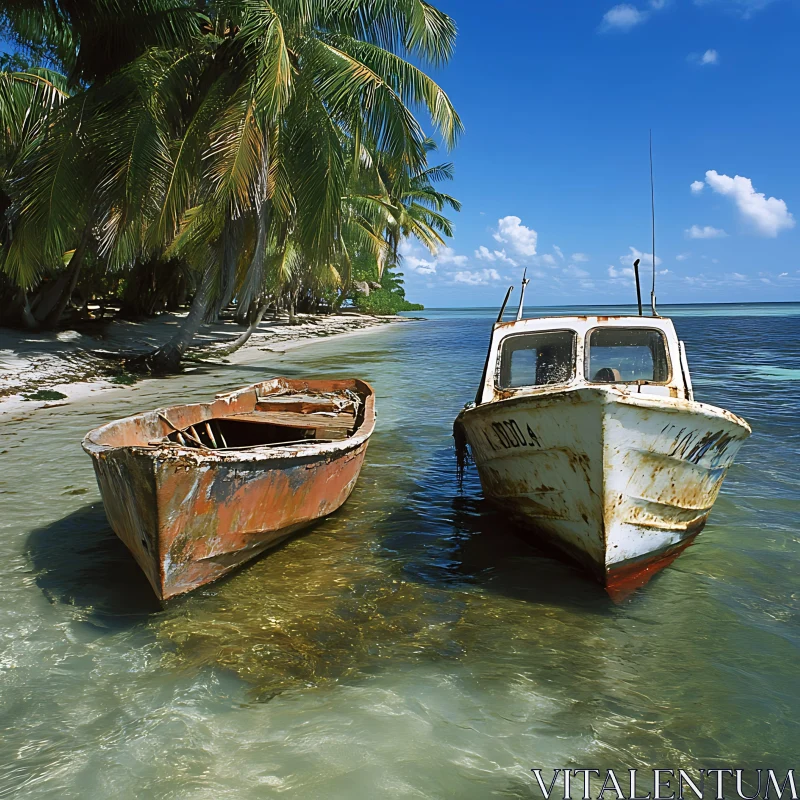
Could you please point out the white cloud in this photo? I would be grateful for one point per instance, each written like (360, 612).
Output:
(704, 59)
(420, 265)
(420, 261)
(768, 215)
(448, 256)
(477, 278)
(745, 7)
(558, 252)
(737, 276)
(483, 253)
(546, 259)
(706, 232)
(697, 186)
(575, 272)
(622, 18)
(682, 256)
(657, 5)
(619, 274)
(521, 239)
(580, 257)
(784, 275)
(645, 258)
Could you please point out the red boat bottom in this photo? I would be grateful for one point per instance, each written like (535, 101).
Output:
(630, 576)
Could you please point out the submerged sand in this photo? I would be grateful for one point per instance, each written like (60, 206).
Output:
(41, 369)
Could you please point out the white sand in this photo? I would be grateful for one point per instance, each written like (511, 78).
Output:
(67, 361)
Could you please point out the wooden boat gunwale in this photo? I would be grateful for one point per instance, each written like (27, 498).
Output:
(365, 425)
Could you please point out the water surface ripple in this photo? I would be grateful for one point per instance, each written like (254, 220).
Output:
(411, 646)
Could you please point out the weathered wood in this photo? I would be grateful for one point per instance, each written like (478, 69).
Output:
(294, 420)
(190, 516)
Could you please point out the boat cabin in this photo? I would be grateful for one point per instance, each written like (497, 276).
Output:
(633, 354)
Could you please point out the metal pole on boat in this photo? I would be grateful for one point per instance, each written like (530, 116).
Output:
(525, 282)
(489, 353)
(505, 303)
(638, 287)
(653, 213)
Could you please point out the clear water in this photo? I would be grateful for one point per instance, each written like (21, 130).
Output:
(412, 646)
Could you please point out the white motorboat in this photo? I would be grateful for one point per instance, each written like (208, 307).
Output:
(585, 430)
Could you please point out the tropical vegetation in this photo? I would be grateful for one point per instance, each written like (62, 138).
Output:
(223, 154)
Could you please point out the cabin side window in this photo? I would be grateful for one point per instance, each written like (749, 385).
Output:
(626, 355)
(536, 359)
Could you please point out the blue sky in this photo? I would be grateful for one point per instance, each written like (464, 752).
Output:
(557, 99)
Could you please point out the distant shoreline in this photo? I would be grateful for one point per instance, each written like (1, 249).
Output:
(617, 305)
(69, 366)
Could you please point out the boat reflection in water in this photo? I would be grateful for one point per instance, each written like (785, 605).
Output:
(585, 430)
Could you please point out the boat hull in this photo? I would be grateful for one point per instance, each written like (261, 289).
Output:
(622, 482)
(190, 516)
(188, 524)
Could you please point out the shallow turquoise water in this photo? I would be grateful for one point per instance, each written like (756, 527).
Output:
(412, 645)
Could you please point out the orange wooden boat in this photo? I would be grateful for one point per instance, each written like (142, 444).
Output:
(196, 490)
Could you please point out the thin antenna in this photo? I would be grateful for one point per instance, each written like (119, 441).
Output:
(479, 394)
(503, 307)
(525, 282)
(653, 213)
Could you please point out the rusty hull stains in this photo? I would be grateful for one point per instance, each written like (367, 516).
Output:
(191, 515)
(621, 482)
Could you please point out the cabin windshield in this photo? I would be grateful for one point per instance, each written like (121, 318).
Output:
(626, 355)
(536, 359)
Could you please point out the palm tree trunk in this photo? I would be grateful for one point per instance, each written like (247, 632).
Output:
(28, 320)
(167, 358)
(75, 264)
(243, 338)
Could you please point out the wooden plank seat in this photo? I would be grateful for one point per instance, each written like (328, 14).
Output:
(325, 426)
(294, 419)
(302, 404)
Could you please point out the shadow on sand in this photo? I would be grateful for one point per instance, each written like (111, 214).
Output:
(79, 561)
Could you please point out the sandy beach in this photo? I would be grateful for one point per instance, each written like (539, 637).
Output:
(77, 364)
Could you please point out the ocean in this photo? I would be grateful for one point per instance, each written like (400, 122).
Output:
(413, 645)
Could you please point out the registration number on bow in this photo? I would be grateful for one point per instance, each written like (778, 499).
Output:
(509, 434)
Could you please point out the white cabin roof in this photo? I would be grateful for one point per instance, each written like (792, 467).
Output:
(584, 323)
(678, 384)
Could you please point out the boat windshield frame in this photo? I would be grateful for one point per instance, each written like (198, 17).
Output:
(573, 362)
(677, 384)
(587, 355)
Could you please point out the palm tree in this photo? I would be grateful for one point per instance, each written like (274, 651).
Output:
(291, 89)
(55, 202)
(413, 205)
(227, 139)
(28, 99)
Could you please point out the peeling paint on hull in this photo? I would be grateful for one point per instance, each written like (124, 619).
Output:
(621, 482)
(190, 516)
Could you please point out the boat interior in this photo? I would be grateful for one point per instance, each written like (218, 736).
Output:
(274, 420)
(276, 412)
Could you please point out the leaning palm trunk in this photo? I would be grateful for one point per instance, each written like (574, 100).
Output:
(167, 358)
(242, 339)
(75, 264)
